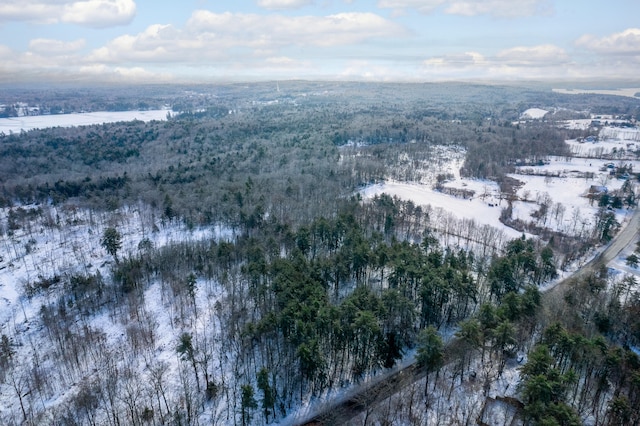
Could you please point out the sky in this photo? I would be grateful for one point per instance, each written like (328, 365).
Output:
(377, 40)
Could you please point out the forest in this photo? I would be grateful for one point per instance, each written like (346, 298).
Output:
(222, 267)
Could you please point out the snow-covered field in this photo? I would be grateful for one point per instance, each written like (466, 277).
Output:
(624, 149)
(565, 188)
(617, 133)
(483, 211)
(26, 123)
(534, 113)
(562, 185)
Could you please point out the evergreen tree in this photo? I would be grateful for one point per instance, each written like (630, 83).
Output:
(268, 397)
(112, 242)
(247, 404)
(430, 354)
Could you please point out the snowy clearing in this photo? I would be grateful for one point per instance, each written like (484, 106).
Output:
(534, 113)
(485, 211)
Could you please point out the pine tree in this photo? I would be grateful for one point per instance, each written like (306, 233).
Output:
(430, 355)
(248, 404)
(112, 242)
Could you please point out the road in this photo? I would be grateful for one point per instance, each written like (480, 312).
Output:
(627, 235)
(341, 411)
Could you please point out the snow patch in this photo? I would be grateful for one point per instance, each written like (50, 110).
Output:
(534, 113)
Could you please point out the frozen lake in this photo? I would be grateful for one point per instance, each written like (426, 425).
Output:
(26, 123)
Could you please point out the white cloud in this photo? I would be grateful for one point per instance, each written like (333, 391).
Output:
(626, 42)
(90, 13)
(58, 60)
(100, 13)
(422, 6)
(94, 69)
(50, 47)
(372, 71)
(30, 10)
(122, 74)
(138, 74)
(467, 65)
(256, 30)
(497, 8)
(539, 56)
(209, 36)
(520, 62)
(283, 4)
(18, 65)
(462, 60)
(6, 53)
(285, 62)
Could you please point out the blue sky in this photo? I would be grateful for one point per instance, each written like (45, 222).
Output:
(377, 40)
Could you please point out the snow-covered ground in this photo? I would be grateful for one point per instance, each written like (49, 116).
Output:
(623, 149)
(562, 184)
(66, 242)
(534, 113)
(26, 123)
(483, 211)
(620, 133)
(565, 186)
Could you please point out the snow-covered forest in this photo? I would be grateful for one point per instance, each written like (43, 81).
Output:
(259, 255)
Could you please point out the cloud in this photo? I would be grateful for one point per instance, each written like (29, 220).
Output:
(209, 36)
(139, 74)
(539, 56)
(456, 66)
(257, 30)
(5, 53)
(461, 60)
(496, 8)
(285, 62)
(499, 8)
(55, 47)
(122, 74)
(38, 60)
(422, 6)
(283, 4)
(100, 13)
(520, 62)
(373, 71)
(90, 13)
(626, 42)
(59, 60)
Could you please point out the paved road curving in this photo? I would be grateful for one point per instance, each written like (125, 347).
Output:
(627, 235)
(341, 411)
